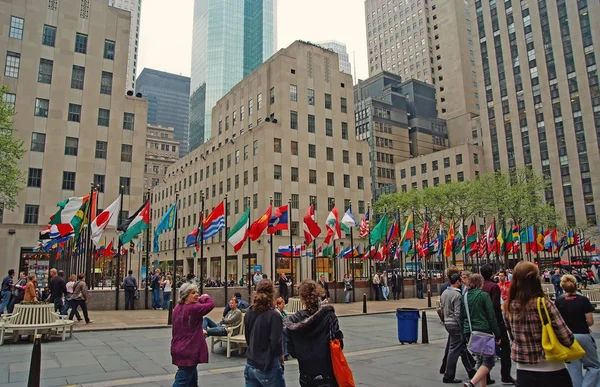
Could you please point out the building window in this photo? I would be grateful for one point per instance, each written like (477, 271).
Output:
(446, 162)
(126, 153)
(237, 157)
(344, 130)
(71, 145)
(295, 202)
(31, 214)
(344, 105)
(68, 182)
(329, 152)
(475, 158)
(312, 176)
(346, 157)
(346, 181)
(74, 113)
(330, 179)
(448, 178)
(360, 182)
(423, 168)
(49, 36)
(436, 181)
(13, 61)
(10, 100)
(277, 145)
(413, 171)
(77, 77)
(425, 184)
(245, 177)
(327, 101)
(277, 199)
(38, 142)
(293, 93)
(294, 174)
(359, 158)
(101, 149)
(328, 127)
(310, 97)
(99, 182)
(255, 174)
(311, 123)
(106, 83)
(312, 151)
(16, 28)
(103, 117)
(45, 72)
(125, 182)
(459, 159)
(109, 49)
(35, 178)
(434, 165)
(460, 176)
(250, 107)
(294, 148)
(41, 107)
(277, 172)
(272, 95)
(293, 120)
(259, 101)
(255, 147)
(81, 43)
(128, 121)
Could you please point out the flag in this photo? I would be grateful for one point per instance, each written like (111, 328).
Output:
(548, 240)
(371, 253)
(135, 224)
(356, 251)
(471, 240)
(364, 226)
(589, 246)
(310, 227)
(279, 220)
(286, 252)
(531, 240)
(108, 252)
(238, 234)
(490, 238)
(458, 244)
(259, 225)
(554, 237)
(214, 222)
(54, 231)
(380, 255)
(515, 239)
(100, 250)
(67, 209)
(108, 217)
(449, 241)
(408, 234)
(166, 223)
(348, 222)
(440, 240)
(346, 253)
(523, 239)
(424, 233)
(329, 252)
(192, 238)
(320, 250)
(392, 233)
(482, 249)
(500, 242)
(333, 226)
(540, 241)
(380, 230)
(397, 252)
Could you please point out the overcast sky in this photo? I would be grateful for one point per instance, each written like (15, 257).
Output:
(166, 30)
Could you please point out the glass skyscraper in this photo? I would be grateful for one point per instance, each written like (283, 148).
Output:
(231, 38)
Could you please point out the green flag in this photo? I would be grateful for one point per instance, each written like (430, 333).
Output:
(380, 230)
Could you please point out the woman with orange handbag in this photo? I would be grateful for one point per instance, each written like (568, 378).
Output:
(524, 327)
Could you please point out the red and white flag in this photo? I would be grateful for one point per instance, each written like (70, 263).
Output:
(364, 226)
(108, 217)
(310, 226)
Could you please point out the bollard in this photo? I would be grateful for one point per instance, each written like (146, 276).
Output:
(35, 367)
(424, 331)
(364, 303)
(429, 297)
(170, 317)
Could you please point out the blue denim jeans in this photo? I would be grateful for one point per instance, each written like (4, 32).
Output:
(186, 377)
(347, 295)
(212, 328)
(6, 295)
(69, 305)
(589, 362)
(166, 299)
(58, 304)
(258, 378)
(156, 298)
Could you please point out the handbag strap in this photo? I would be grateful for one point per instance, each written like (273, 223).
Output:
(468, 314)
(540, 301)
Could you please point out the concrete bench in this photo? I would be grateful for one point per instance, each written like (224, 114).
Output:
(33, 319)
(239, 340)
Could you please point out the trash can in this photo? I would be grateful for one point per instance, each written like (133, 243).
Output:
(408, 325)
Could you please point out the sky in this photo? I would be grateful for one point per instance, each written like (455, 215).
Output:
(166, 30)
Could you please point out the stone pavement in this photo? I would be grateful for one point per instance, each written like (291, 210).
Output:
(115, 320)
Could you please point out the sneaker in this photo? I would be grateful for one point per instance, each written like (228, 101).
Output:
(509, 381)
(468, 384)
(89, 322)
(490, 381)
(451, 381)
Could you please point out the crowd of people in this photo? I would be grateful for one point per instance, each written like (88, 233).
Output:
(504, 305)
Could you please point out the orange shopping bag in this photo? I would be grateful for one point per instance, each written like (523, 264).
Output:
(341, 369)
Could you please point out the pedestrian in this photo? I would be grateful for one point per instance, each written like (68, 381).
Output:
(130, 287)
(69, 297)
(525, 330)
(80, 298)
(232, 319)
(397, 283)
(242, 305)
(504, 285)
(18, 292)
(325, 285)
(495, 293)
(577, 310)
(283, 283)
(479, 316)
(376, 285)
(280, 307)
(450, 303)
(58, 288)
(7, 288)
(546, 276)
(188, 344)
(419, 280)
(155, 285)
(309, 333)
(167, 285)
(257, 278)
(385, 290)
(264, 333)
(31, 294)
(347, 288)
(558, 291)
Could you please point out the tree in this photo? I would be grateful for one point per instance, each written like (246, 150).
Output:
(12, 178)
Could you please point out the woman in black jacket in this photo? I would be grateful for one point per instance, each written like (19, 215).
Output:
(309, 333)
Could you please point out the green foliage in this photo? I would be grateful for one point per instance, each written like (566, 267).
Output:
(12, 178)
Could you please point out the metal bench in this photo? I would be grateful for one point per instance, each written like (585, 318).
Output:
(33, 319)
(592, 294)
(238, 340)
(294, 304)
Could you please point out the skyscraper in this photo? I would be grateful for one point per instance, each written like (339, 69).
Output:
(340, 49)
(135, 7)
(230, 40)
(168, 102)
(541, 85)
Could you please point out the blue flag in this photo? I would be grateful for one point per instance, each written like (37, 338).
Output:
(166, 223)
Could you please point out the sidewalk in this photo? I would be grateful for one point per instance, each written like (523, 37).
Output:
(145, 319)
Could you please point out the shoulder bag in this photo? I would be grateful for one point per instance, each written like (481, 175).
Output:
(341, 369)
(553, 349)
(480, 343)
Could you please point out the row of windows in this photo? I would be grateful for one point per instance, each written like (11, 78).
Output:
(310, 98)
(38, 144)
(435, 166)
(460, 176)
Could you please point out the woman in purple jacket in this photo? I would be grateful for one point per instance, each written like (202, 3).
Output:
(188, 345)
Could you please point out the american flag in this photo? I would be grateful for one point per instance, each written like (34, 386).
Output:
(364, 226)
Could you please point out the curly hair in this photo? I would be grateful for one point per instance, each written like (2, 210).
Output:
(263, 298)
(309, 292)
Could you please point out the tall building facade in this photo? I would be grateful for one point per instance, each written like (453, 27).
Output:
(162, 151)
(430, 41)
(65, 65)
(548, 120)
(230, 39)
(168, 98)
(135, 8)
(340, 49)
(282, 133)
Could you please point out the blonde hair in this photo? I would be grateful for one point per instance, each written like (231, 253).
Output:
(475, 281)
(72, 277)
(185, 290)
(568, 283)
(310, 292)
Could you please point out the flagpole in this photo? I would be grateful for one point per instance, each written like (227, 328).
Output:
(226, 243)
(314, 263)
(201, 231)
(292, 263)
(271, 244)
(249, 252)
(299, 255)
(505, 237)
(314, 260)
(370, 280)
(174, 273)
(415, 250)
(353, 259)
(428, 266)
(88, 263)
(147, 250)
(464, 241)
(119, 250)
